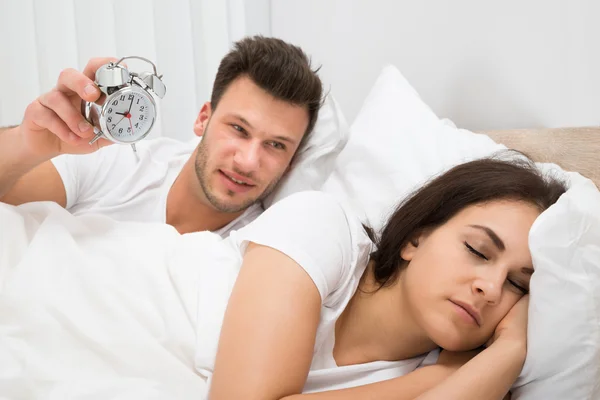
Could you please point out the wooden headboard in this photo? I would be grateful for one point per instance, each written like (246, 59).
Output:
(573, 149)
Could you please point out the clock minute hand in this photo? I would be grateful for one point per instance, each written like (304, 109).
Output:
(130, 104)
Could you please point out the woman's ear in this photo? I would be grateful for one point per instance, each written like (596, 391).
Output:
(409, 249)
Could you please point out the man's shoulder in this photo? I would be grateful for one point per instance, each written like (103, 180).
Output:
(118, 160)
(160, 150)
(161, 147)
(164, 147)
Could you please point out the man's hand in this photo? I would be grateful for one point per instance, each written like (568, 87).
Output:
(53, 123)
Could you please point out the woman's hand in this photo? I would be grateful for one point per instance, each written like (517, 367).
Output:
(511, 332)
(492, 372)
(514, 325)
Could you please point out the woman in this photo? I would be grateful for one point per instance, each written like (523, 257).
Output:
(317, 303)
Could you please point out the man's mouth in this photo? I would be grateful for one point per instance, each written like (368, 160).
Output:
(235, 178)
(236, 181)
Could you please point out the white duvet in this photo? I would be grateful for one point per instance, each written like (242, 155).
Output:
(94, 309)
(109, 318)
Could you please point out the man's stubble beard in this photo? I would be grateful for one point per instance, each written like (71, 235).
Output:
(221, 206)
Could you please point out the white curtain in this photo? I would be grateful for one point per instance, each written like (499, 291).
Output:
(186, 39)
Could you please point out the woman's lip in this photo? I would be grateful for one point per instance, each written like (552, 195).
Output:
(469, 309)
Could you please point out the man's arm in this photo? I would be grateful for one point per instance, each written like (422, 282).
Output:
(24, 177)
(52, 125)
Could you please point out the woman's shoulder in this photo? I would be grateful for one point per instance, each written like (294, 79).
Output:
(320, 207)
(309, 199)
(329, 230)
(314, 229)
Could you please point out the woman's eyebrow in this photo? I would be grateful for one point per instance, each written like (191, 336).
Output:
(493, 236)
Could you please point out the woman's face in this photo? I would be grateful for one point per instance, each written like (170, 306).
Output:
(464, 276)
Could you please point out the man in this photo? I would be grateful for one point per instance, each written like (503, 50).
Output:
(264, 104)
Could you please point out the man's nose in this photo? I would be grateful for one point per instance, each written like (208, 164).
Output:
(247, 157)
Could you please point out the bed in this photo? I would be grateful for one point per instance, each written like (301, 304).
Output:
(575, 149)
(139, 341)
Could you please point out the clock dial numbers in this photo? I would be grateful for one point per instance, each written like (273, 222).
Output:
(129, 115)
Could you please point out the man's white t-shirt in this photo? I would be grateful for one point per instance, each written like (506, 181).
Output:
(115, 182)
(331, 245)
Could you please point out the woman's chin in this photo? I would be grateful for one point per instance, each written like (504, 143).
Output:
(452, 339)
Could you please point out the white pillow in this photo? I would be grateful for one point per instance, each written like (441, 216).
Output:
(315, 161)
(564, 324)
(397, 143)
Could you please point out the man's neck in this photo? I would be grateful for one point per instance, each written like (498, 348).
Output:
(186, 211)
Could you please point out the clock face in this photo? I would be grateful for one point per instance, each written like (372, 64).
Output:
(129, 114)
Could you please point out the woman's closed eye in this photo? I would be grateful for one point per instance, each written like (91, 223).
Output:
(518, 286)
(475, 252)
(521, 288)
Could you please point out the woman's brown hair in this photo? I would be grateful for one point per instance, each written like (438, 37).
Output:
(483, 180)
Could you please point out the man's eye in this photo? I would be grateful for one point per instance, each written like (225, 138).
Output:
(277, 145)
(239, 129)
(475, 252)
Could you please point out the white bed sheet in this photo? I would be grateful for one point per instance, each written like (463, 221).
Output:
(91, 319)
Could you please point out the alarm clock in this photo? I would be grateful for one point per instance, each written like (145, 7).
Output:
(126, 110)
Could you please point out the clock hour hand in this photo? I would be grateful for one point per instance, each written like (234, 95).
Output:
(124, 114)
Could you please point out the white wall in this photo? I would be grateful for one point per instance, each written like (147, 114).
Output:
(484, 64)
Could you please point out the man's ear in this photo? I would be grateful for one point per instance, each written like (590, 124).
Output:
(202, 119)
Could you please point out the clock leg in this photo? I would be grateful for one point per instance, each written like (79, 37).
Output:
(98, 136)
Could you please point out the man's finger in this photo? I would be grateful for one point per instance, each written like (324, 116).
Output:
(47, 119)
(58, 102)
(72, 81)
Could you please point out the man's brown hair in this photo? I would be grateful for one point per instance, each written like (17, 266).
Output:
(281, 69)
